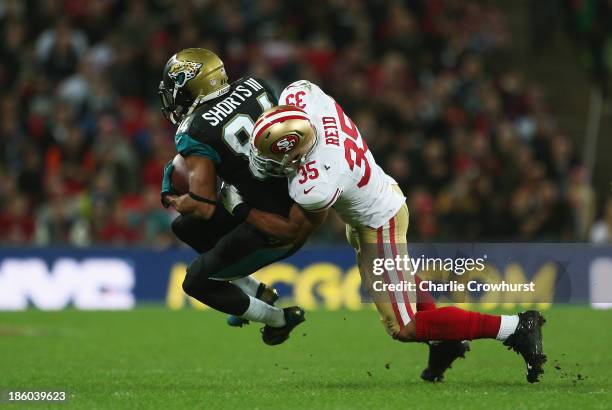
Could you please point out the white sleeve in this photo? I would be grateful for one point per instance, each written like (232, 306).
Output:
(318, 200)
(315, 195)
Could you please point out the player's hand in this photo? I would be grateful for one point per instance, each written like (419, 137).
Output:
(178, 202)
(166, 188)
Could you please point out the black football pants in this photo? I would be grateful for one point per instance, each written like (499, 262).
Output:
(228, 250)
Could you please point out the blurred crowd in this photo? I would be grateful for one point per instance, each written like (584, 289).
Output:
(83, 142)
(588, 24)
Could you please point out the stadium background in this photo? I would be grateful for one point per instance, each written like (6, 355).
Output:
(467, 104)
(494, 117)
(454, 98)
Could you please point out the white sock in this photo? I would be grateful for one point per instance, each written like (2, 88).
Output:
(507, 326)
(259, 311)
(248, 284)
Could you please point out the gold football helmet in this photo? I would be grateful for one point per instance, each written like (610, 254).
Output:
(191, 77)
(283, 136)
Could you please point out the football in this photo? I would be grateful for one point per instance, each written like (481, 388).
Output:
(180, 175)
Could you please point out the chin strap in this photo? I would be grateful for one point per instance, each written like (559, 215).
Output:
(199, 100)
(203, 98)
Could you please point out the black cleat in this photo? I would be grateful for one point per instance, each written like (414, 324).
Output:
(441, 357)
(276, 335)
(266, 294)
(527, 340)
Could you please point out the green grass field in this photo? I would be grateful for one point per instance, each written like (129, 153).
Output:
(156, 358)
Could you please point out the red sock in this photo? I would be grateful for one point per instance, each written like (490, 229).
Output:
(451, 323)
(425, 300)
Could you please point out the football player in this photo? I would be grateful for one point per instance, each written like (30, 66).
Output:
(310, 140)
(215, 120)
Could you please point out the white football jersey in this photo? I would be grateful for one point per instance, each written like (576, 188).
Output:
(340, 171)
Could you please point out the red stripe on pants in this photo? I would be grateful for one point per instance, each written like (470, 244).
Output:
(381, 253)
(400, 274)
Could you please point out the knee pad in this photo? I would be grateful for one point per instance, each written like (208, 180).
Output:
(189, 285)
(198, 287)
(194, 278)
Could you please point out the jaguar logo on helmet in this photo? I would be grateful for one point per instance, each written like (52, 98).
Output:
(285, 144)
(183, 71)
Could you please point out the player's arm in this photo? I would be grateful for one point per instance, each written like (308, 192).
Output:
(201, 159)
(272, 94)
(295, 229)
(202, 196)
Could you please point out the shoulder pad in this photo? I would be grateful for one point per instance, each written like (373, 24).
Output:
(185, 124)
(190, 141)
(300, 84)
(273, 93)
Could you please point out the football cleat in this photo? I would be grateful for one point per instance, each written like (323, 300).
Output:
(266, 294)
(441, 357)
(276, 335)
(527, 340)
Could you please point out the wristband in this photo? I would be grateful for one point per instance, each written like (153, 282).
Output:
(241, 211)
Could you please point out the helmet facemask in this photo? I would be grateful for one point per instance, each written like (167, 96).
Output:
(271, 167)
(282, 139)
(191, 77)
(172, 112)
